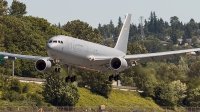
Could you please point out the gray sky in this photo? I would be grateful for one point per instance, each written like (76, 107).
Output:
(102, 11)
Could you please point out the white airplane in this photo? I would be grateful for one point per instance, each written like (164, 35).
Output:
(74, 52)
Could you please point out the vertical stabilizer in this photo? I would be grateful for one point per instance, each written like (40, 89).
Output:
(123, 36)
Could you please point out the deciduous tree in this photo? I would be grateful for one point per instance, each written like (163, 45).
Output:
(59, 93)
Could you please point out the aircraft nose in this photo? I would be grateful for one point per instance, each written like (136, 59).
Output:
(50, 48)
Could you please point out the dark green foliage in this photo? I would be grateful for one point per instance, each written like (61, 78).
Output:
(135, 48)
(193, 93)
(152, 44)
(170, 94)
(145, 80)
(174, 38)
(25, 35)
(17, 8)
(194, 70)
(15, 85)
(36, 98)
(26, 88)
(96, 81)
(12, 90)
(12, 95)
(3, 7)
(83, 31)
(59, 93)
(168, 72)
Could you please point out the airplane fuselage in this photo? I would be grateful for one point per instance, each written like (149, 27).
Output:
(76, 52)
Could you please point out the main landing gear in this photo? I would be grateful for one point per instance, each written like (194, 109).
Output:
(70, 78)
(115, 76)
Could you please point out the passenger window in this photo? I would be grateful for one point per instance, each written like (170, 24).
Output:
(55, 41)
(61, 42)
(50, 41)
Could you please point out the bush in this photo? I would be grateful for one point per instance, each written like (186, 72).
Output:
(15, 85)
(26, 88)
(12, 96)
(34, 97)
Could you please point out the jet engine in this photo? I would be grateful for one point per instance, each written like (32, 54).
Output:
(118, 64)
(43, 65)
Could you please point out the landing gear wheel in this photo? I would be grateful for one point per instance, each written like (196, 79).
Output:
(67, 79)
(70, 79)
(117, 77)
(111, 78)
(57, 70)
(73, 78)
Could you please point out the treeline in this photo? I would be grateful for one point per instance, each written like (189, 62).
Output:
(155, 28)
(170, 82)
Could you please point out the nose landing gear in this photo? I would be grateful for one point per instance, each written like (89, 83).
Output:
(57, 69)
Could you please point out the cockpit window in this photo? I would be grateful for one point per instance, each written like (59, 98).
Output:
(55, 41)
(50, 41)
(61, 42)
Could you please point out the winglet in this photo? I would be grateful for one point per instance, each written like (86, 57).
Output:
(123, 36)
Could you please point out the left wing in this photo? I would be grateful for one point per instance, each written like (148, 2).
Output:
(142, 58)
(28, 57)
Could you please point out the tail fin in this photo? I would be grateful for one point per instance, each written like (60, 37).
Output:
(123, 36)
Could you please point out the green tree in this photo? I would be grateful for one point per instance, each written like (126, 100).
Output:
(151, 23)
(194, 70)
(152, 44)
(59, 93)
(168, 72)
(120, 23)
(174, 22)
(82, 30)
(193, 93)
(25, 35)
(155, 23)
(135, 48)
(170, 94)
(174, 38)
(3, 7)
(145, 80)
(12, 90)
(127, 75)
(15, 85)
(17, 8)
(183, 66)
(97, 82)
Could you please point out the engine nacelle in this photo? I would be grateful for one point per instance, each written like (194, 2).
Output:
(43, 65)
(118, 64)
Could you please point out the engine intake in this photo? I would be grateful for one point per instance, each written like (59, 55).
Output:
(118, 64)
(43, 65)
